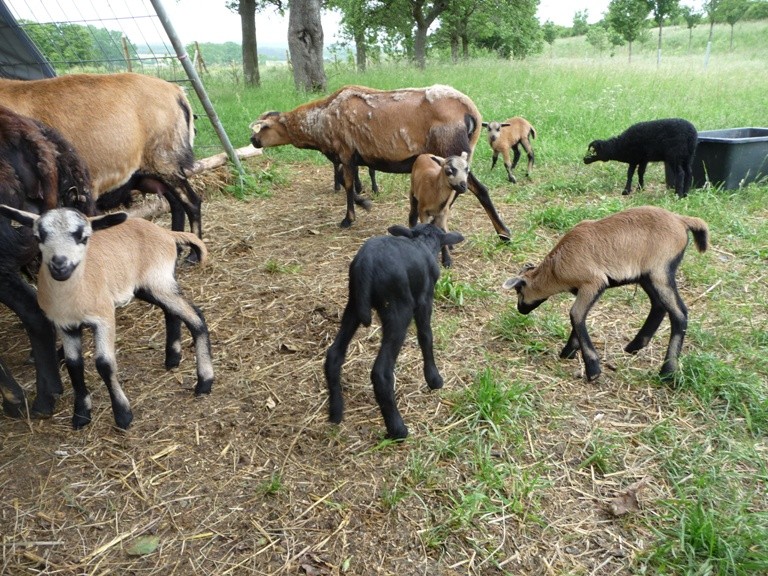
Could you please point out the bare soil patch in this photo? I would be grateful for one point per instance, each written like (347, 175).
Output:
(253, 479)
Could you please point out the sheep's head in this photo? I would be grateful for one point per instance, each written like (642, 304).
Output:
(594, 151)
(456, 171)
(494, 130)
(267, 130)
(524, 284)
(427, 232)
(62, 235)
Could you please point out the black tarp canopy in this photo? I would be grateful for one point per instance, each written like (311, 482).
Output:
(19, 57)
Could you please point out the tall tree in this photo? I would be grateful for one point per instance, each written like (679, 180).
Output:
(424, 13)
(732, 11)
(580, 26)
(305, 43)
(550, 34)
(663, 9)
(247, 9)
(710, 10)
(627, 17)
(360, 21)
(692, 18)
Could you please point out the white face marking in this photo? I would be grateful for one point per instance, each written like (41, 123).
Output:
(456, 169)
(63, 236)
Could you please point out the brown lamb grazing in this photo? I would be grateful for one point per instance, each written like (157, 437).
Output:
(92, 265)
(435, 184)
(644, 246)
(383, 129)
(510, 134)
(39, 171)
(133, 132)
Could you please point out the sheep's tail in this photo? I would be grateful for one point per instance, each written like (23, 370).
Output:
(533, 132)
(700, 231)
(195, 243)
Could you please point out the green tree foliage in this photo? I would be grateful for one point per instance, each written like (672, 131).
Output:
(663, 9)
(597, 37)
(550, 33)
(732, 11)
(627, 17)
(509, 29)
(692, 19)
(580, 25)
(71, 45)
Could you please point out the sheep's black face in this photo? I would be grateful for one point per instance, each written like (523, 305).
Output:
(593, 152)
(264, 131)
(456, 170)
(519, 284)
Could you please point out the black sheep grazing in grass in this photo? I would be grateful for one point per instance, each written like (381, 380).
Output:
(671, 140)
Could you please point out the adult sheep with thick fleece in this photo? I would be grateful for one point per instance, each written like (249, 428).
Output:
(90, 266)
(132, 131)
(381, 129)
(644, 246)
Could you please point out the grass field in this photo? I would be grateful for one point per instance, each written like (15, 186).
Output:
(709, 452)
(518, 466)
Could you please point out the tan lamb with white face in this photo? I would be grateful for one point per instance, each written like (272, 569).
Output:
(90, 266)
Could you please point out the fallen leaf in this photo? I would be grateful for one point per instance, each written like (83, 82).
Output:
(627, 501)
(314, 566)
(143, 545)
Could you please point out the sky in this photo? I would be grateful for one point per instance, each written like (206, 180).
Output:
(210, 21)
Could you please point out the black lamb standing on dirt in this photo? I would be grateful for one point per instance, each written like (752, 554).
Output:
(671, 140)
(395, 275)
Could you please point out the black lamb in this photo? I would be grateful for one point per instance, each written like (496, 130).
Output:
(671, 140)
(395, 275)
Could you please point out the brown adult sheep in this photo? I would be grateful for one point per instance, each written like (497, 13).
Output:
(435, 184)
(382, 129)
(644, 246)
(510, 134)
(132, 131)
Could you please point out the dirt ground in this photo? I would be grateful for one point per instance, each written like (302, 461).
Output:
(253, 479)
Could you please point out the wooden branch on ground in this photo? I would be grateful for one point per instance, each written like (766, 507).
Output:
(217, 160)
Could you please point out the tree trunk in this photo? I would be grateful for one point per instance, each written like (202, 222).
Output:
(658, 50)
(247, 11)
(454, 47)
(360, 51)
(465, 46)
(305, 42)
(420, 47)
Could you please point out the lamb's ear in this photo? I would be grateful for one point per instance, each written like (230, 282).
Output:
(513, 283)
(20, 216)
(485, 124)
(108, 220)
(451, 238)
(528, 266)
(505, 124)
(398, 230)
(437, 160)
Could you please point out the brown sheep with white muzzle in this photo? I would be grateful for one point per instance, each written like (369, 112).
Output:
(644, 246)
(435, 184)
(132, 131)
(382, 129)
(503, 136)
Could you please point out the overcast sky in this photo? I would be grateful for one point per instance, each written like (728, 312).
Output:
(210, 21)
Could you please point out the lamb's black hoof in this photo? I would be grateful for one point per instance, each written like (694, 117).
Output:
(346, 223)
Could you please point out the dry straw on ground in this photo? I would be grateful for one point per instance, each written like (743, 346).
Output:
(253, 479)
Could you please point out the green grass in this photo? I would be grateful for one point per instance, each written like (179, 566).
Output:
(706, 448)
